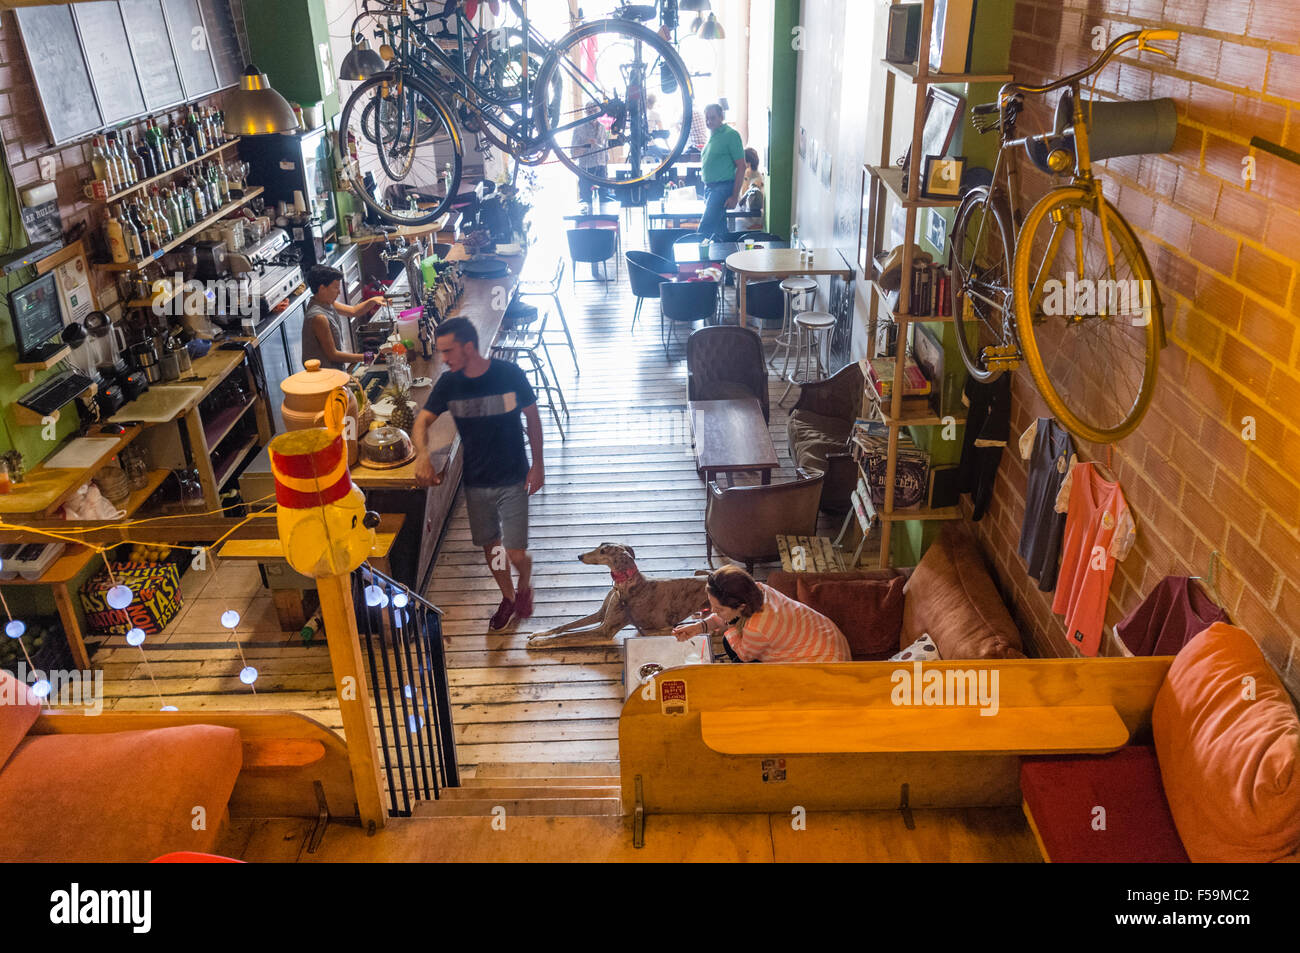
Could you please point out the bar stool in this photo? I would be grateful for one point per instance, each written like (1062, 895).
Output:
(786, 338)
(523, 340)
(550, 288)
(812, 329)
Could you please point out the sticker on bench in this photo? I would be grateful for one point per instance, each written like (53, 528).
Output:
(672, 697)
(773, 770)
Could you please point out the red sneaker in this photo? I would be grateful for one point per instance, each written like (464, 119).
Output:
(523, 603)
(501, 618)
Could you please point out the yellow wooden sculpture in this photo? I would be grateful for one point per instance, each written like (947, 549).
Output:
(321, 515)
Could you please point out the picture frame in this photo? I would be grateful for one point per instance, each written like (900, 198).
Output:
(943, 115)
(864, 225)
(941, 176)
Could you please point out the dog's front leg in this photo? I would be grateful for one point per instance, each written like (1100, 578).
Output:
(610, 614)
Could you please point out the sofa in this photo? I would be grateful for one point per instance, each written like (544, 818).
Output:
(124, 796)
(1219, 782)
(818, 432)
(949, 596)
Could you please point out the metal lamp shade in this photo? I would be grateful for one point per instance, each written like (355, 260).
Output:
(712, 29)
(694, 6)
(361, 63)
(255, 109)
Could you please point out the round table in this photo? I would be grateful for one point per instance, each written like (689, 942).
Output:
(781, 263)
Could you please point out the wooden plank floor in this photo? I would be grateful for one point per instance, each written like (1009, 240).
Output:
(624, 473)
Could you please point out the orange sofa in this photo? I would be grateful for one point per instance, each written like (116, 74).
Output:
(122, 796)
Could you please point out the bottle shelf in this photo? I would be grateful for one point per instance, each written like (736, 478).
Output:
(164, 177)
(136, 265)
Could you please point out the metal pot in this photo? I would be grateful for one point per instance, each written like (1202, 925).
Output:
(144, 357)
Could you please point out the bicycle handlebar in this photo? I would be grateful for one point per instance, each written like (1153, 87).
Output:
(1141, 37)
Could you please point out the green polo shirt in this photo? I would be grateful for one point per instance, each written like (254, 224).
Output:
(718, 160)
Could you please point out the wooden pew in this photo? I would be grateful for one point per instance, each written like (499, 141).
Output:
(285, 754)
(766, 738)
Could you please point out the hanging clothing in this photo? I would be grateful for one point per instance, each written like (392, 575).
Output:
(1099, 531)
(1173, 613)
(988, 428)
(1050, 452)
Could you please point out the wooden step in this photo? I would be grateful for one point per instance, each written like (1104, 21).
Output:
(527, 807)
(546, 769)
(604, 781)
(507, 791)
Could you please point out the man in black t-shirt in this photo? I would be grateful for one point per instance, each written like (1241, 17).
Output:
(485, 397)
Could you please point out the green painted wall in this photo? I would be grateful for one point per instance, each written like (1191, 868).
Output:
(285, 37)
(785, 78)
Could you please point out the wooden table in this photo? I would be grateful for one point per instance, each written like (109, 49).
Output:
(61, 572)
(731, 436)
(767, 263)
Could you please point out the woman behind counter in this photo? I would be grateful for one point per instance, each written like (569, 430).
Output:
(322, 326)
(761, 624)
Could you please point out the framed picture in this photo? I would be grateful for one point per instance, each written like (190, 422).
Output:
(826, 168)
(864, 223)
(941, 176)
(943, 113)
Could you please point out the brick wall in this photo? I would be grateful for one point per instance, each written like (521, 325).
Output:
(1225, 251)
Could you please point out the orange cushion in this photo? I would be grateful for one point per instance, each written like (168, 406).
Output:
(18, 712)
(868, 612)
(126, 796)
(1229, 764)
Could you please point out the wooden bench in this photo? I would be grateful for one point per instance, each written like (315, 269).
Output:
(1073, 729)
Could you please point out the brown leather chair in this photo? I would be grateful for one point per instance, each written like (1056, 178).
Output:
(744, 521)
(726, 363)
(818, 432)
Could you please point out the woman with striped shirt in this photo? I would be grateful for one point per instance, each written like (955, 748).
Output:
(761, 624)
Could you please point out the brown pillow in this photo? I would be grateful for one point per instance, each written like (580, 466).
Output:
(868, 612)
(951, 596)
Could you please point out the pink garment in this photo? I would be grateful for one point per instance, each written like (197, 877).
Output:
(785, 630)
(1098, 532)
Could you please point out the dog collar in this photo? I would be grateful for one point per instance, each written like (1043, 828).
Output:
(624, 575)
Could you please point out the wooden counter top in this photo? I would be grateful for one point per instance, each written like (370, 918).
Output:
(44, 490)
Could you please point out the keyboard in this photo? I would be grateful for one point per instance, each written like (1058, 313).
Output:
(29, 560)
(55, 392)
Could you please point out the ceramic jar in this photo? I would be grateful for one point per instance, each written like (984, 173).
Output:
(305, 394)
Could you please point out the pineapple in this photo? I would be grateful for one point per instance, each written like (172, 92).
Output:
(403, 416)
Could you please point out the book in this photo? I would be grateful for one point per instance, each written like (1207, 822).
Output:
(879, 372)
(950, 35)
(928, 351)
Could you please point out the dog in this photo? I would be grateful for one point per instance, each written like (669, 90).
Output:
(654, 606)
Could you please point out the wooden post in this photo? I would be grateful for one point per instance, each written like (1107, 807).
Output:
(339, 617)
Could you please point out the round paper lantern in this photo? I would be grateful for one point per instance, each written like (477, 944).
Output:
(135, 636)
(119, 597)
(230, 618)
(41, 688)
(169, 708)
(401, 599)
(15, 628)
(248, 675)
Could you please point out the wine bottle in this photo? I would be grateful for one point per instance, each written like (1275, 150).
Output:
(102, 167)
(131, 236)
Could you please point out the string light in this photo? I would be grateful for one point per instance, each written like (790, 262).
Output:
(15, 628)
(247, 674)
(135, 637)
(376, 597)
(119, 596)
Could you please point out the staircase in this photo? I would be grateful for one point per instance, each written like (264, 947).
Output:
(531, 789)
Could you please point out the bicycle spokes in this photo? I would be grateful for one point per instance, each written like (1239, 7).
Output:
(981, 266)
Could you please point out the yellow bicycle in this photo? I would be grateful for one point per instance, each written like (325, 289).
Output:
(1071, 294)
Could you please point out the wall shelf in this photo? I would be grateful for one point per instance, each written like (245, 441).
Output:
(892, 179)
(216, 429)
(249, 195)
(166, 176)
(29, 371)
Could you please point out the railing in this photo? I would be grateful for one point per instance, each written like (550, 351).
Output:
(402, 636)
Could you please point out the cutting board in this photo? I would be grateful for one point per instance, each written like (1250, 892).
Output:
(81, 453)
(158, 404)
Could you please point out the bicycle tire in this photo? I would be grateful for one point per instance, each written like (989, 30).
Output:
(632, 32)
(1067, 407)
(516, 149)
(361, 98)
(972, 356)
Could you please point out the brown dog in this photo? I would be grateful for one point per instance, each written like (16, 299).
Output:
(654, 606)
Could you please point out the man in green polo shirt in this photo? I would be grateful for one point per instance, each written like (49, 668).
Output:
(723, 170)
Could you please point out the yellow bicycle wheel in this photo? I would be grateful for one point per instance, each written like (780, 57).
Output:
(1088, 314)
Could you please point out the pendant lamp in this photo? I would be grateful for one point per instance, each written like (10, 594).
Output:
(255, 109)
(361, 63)
(712, 29)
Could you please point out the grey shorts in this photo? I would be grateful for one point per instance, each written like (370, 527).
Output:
(498, 513)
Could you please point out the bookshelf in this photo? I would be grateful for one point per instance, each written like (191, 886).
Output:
(885, 190)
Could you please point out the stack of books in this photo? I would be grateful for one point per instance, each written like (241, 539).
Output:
(869, 444)
(931, 290)
(879, 373)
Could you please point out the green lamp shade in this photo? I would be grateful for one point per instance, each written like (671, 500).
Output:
(255, 109)
(361, 63)
(712, 29)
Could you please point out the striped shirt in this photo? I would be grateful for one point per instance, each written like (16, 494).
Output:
(785, 630)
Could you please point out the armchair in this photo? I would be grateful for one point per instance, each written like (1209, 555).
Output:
(744, 521)
(818, 432)
(725, 362)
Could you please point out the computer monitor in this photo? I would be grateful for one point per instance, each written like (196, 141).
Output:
(37, 318)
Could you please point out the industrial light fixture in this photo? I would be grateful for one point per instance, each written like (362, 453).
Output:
(712, 29)
(255, 109)
(694, 5)
(362, 62)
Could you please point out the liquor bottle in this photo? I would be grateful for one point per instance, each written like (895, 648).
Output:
(128, 167)
(119, 173)
(214, 188)
(161, 223)
(100, 163)
(153, 138)
(199, 200)
(116, 237)
(224, 182)
(187, 207)
(200, 138)
(132, 210)
(130, 236)
(144, 156)
(174, 215)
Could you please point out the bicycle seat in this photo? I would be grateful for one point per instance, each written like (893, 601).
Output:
(637, 11)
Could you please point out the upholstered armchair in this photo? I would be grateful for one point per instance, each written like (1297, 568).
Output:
(818, 432)
(726, 363)
(744, 521)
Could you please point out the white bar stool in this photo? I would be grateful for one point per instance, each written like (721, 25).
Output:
(813, 328)
(788, 336)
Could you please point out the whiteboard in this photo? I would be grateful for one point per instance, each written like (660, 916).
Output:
(62, 79)
(151, 46)
(192, 48)
(103, 41)
(223, 41)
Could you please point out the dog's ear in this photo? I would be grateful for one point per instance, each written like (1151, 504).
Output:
(630, 551)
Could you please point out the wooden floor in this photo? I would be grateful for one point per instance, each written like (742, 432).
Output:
(970, 835)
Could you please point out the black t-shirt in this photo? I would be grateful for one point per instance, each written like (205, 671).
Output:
(486, 409)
